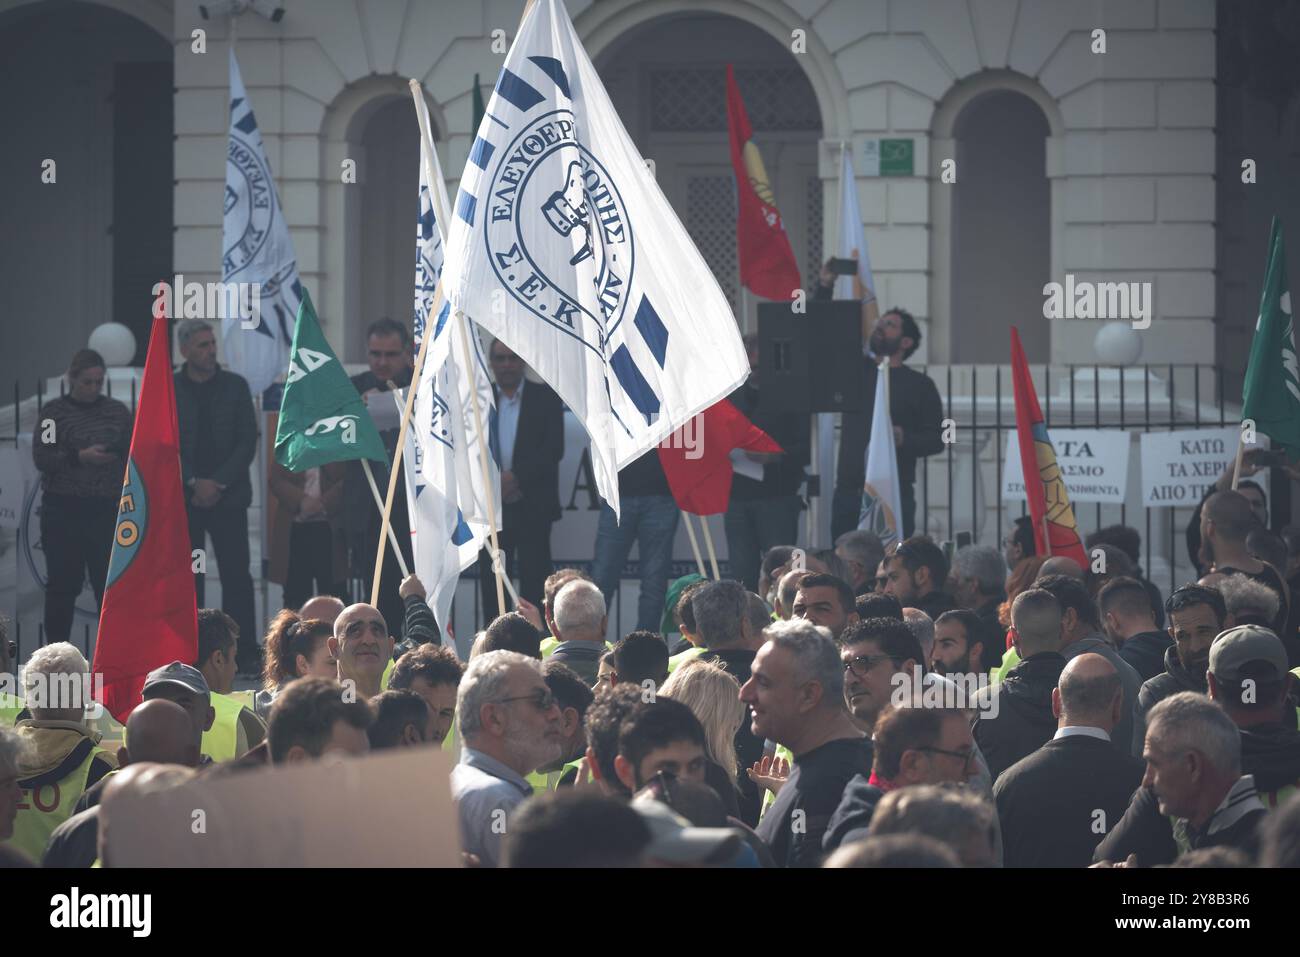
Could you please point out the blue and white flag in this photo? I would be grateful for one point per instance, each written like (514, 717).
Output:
(882, 510)
(563, 246)
(256, 249)
(446, 495)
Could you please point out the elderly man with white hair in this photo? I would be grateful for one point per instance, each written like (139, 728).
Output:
(510, 726)
(61, 755)
(580, 620)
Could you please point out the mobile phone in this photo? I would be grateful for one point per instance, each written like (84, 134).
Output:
(843, 267)
(963, 539)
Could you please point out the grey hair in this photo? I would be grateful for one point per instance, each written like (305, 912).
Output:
(1189, 721)
(862, 547)
(12, 750)
(483, 682)
(719, 607)
(954, 816)
(579, 606)
(984, 564)
(1243, 594)
(815, 655)
(921, 626)
(56, 678)
(187, 327)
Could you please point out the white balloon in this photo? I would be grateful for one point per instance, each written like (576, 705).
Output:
(115, 342)
(1117, 344)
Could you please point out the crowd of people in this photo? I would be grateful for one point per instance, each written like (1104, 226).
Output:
(869, 707)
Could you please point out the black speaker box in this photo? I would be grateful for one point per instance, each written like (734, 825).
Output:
(812, 362)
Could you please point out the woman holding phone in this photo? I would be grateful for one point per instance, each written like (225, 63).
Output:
(80, 446)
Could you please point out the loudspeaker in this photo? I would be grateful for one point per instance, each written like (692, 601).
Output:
(812, 362)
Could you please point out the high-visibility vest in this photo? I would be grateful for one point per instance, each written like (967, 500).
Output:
(221, 741)
(769, 797)
(676, 661)
(549, 644)
(246, 698)
(388, 670)
(48, 799)
(551, 779)
(1009, 661)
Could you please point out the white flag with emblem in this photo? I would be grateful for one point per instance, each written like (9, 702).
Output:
(443, 476)
(852, 236)
(881, 511)
(256, 249)
(563, 246)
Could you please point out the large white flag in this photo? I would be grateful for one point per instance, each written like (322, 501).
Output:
(448, 499)
(881, 510)
(852, 235)
(563, 246)
(256, 249)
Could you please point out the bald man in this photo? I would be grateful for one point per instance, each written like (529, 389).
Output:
(363, 647)
(324, 607)
(158, 732)
(1057, 804)
(1226, 521)
(1060, 565)
(138, 780)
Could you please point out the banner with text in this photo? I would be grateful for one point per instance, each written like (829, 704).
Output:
(1179, 467)
(1094, 464)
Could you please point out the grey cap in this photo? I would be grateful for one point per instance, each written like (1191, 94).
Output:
(1248, 645)
(177, 673)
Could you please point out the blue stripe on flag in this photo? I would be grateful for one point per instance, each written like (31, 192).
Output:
(481, 153)
(465, 203)
(555, 70)
(461, 533)
(518, 92)
(634, 383)
(652, 330)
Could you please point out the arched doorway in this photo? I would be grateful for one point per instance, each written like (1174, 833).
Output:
(666, 79)
(89, 88)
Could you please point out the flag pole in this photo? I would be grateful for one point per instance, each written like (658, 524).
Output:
(379, 504)
(1236, 468)
(695, 545)
(426, 141)
(1047, 537)
(708, 543)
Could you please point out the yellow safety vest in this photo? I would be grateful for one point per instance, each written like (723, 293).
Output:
(549, 644)
(551, 779)
(221, 741)
(48, 800)
(1009, 661)
(246, 698)
(676, 661)
(388, 670)
(768, 797)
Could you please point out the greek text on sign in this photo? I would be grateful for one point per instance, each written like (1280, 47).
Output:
(1178, 468)
(1094, 464)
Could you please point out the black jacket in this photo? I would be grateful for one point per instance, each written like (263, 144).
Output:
(539, 446)
(935, 603)
(1174, 679)
(1271, 752)
(230, 436)
(361, 519)
(791, 431)
(1024, 719)
(851, 819)
(1146, 652)
(1144, 831)
(1048, 801)
(914, 406)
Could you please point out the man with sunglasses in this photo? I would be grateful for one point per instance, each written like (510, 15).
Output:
(510, 726)
(913, 744)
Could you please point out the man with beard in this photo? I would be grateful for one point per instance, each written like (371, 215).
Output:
(1196, 616)
(918, 572)
(958, 643)
(914, 407)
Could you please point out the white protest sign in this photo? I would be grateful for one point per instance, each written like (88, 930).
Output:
(1179, 467)
(1093, 462)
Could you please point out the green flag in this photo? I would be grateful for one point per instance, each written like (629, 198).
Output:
(1271, 395)
(322, 419)
(479, 108)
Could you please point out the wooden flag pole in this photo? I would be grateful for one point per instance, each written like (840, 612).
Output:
(708, 543)
(1236, 468)
(695, 545)
(1047, 537)
(440, 214)
(379, 504)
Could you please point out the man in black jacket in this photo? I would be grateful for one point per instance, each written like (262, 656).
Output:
(1196, 614)
(1015, 716)
(388, 352)
(1195, 777)
(218, 440)
(917, 574)
(914, 407)
(1049, 802)
(1130, 623)
(764, 513)
(528, 443)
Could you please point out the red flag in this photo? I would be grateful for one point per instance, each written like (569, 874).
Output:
(699, 471)
(148, 617)
(767, 263)
(1044, 486)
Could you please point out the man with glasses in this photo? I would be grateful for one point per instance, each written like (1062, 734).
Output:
(527, 442)
(914, 744)
(510, 724)
(873, 652)
(362, 647)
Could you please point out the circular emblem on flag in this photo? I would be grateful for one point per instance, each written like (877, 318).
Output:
(249, 205)
(132, 521)
(556, 222)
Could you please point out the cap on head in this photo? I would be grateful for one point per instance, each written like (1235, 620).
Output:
(1248, 651)
(177, 673)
